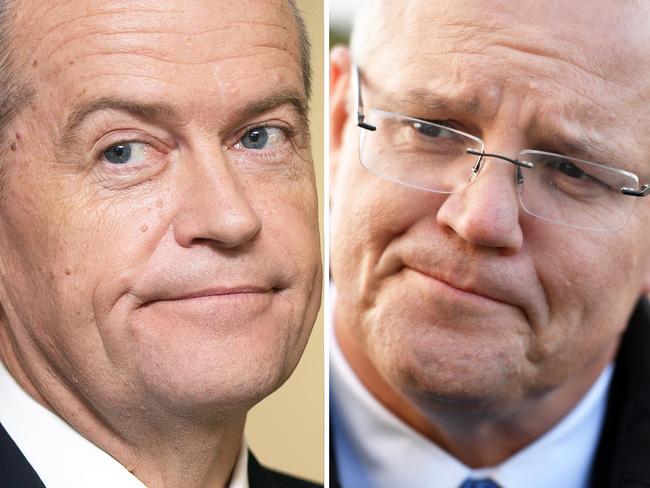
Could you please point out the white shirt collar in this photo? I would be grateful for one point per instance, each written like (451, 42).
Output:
(61, 456)
(376, 449)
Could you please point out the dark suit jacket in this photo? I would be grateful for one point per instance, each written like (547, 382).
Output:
(623, 455)
(16, 472)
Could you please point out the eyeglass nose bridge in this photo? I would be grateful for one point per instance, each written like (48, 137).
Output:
(481, 154)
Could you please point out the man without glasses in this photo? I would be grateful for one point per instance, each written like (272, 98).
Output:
(159, 269)
(490, 245)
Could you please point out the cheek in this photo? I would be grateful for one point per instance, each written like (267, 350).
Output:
(65, 238)
(290, 233)
(591, 287)
(368, 214)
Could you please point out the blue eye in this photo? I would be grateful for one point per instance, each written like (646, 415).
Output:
(255, 139)
(125, 152)
(263, 138)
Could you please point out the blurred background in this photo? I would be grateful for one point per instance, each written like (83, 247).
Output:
(285, 431)
(341, 14)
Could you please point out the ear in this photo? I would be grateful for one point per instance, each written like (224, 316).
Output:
(339, 103)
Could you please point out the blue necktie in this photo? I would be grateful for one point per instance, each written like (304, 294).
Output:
(484, 483)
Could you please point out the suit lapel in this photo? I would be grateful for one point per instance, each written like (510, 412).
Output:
(622, 456)
(15, 470)
(257, 475)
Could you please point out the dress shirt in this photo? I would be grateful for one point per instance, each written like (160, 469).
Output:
(61, 456)
(376, 449)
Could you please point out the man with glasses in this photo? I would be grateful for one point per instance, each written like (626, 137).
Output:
(490, 245)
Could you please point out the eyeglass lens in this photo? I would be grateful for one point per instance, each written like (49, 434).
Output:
(432, 157)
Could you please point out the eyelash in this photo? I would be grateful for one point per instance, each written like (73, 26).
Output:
(280, 153)
(281, 156)
(136, 138)
(289, 132)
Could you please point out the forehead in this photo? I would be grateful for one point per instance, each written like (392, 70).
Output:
(218, 48)
(603, 37)
(578, 64)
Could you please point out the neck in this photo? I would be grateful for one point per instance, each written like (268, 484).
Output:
(477, 436)
(160, 447)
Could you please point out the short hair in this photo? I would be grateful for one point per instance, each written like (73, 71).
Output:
(16, 92)
(304, 46)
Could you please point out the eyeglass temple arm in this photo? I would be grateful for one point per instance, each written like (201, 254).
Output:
(356, 74)
(643, 192)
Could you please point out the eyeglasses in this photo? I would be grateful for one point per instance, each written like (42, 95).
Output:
(432, 157)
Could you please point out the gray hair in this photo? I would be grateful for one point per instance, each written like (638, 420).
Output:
(304, 45)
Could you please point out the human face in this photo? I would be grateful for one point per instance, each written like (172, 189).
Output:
(465, 297)
(159, 219)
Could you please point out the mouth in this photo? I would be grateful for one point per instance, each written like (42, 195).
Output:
(465, 291)
(223, 295)
(225, 292)
(213, 305)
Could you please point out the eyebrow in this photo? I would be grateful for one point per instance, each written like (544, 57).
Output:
(596, 152)
(163, 111)
(419, 100)
(147, 111)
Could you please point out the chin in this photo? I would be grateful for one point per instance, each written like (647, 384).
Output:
(215, 386)
(439, 365)
(210, 370)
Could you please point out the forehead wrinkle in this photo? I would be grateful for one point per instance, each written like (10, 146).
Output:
(68, 28)
(66, 24)
(120, 35)
(441, 96)
(157, 56)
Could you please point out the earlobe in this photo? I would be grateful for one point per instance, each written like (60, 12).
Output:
(339, 103)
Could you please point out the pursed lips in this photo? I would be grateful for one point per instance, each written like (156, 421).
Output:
(510, 280)
(237, 292)
(493, 286)
(221, 291)
(474, 290)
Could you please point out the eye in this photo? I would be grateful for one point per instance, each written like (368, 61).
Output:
(260, 138)
(125, 152)
(430, 130)
(570, 169)
(573, 175)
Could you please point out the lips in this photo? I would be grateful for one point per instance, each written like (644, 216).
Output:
(193, 280)
(507, 279)
(483, 289)
(220, 291)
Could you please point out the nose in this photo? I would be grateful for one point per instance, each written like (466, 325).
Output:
(485, 211)
(215, 207)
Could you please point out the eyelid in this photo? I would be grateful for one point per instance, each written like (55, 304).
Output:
(289, 130)
(125, 136)
(284, 126)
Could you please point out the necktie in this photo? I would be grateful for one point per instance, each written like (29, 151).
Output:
(484, 483)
